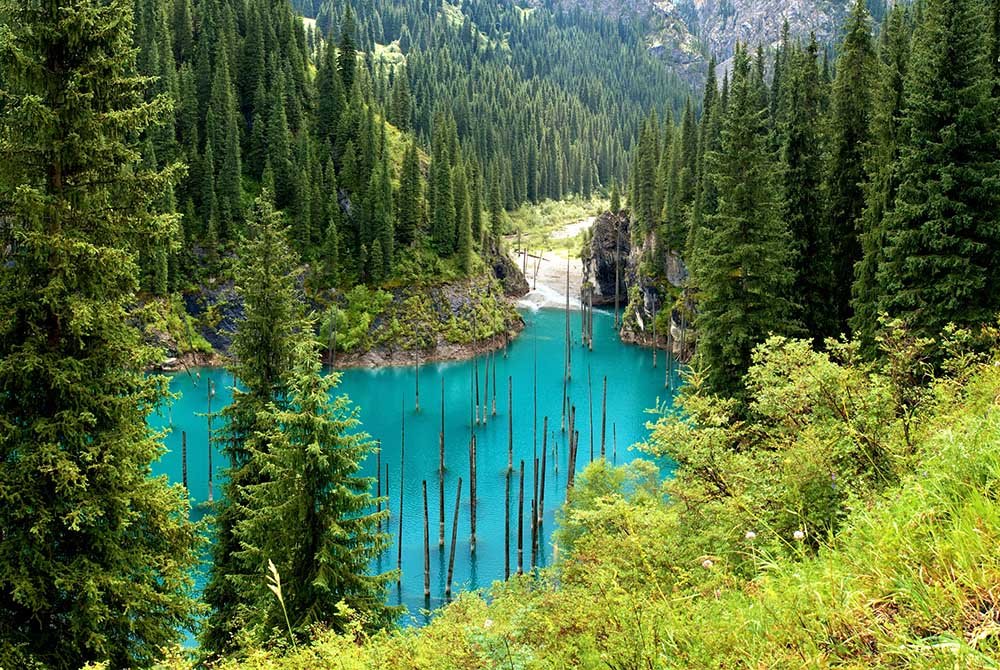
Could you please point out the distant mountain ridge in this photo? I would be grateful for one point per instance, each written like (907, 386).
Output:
(686, 33)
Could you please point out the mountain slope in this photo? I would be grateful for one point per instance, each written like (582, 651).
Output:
(686, 32)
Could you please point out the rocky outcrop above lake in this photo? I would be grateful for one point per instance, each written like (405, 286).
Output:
(405, 324)
(505, 270)
(643, 297)
(394, 325)
(610, 242)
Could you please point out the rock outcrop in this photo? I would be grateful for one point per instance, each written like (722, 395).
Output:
(642, 297)
(685, 32)
(610, 241)
(506, 271)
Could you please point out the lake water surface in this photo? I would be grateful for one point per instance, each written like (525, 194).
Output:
(386, 398)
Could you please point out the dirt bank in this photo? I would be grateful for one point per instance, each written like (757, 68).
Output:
(547, 271)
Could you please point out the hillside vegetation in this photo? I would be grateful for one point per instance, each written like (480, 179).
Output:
(850, 522)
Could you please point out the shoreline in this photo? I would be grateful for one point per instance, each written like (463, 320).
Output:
(546, 280)
(442, 353)
(372, 358)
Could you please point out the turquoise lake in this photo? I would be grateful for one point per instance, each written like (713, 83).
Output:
(386, 398)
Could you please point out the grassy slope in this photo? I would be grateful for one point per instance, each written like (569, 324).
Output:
(912, 580)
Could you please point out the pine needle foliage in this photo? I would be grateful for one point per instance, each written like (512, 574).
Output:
(95, 554)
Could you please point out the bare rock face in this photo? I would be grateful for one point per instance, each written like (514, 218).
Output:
(642, 298)
(720, 24)
(685, 32)
(610, 242)
(506, 271)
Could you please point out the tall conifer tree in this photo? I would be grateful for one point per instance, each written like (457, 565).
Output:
(801, 174)
(382, 215)
(95, 555)
(742, 265)
(442, 203)
(942, 257)
(882, 182)
(312, 515)
(408, 199)
(263, 349)
(849, 135)
(347, 50)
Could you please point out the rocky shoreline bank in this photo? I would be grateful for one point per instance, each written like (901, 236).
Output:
(379, 327)
(374, 358)
(442, 353)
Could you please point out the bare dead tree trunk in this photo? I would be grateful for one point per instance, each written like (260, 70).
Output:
(454, 540)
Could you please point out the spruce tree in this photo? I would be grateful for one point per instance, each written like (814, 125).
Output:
(475, 202)
(408, 200)
(496, 208)
(672, 218)
(849, 128)
(708, 136)
(279, 147)
(941, 260)
(646, 159)
(688, 162)
(994, 53)
(616, 202)
(382, 216)
(442, 202)
(347, 53)
(743, 261)
(400, 106)
(463, 219)
(224, 136)
(182, 25)
(330, 254)
(882, 182)
(330, 93)
(663, 169)
(95, 555)
(313, 514)
(801, 174)
(460, 199)
(376, 262)
(263, 349)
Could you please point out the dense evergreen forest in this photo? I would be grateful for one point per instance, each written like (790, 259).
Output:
(818, 200)
(338, 118)
(834, 502)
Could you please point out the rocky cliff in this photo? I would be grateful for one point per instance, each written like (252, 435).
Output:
(610, 241)
(646, 296)
(685, 33)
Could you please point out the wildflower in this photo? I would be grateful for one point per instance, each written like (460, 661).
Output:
(799, 535)
(750, 535)
(488, 623)
(707, 564)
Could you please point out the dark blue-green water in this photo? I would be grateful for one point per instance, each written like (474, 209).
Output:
(386, 396)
